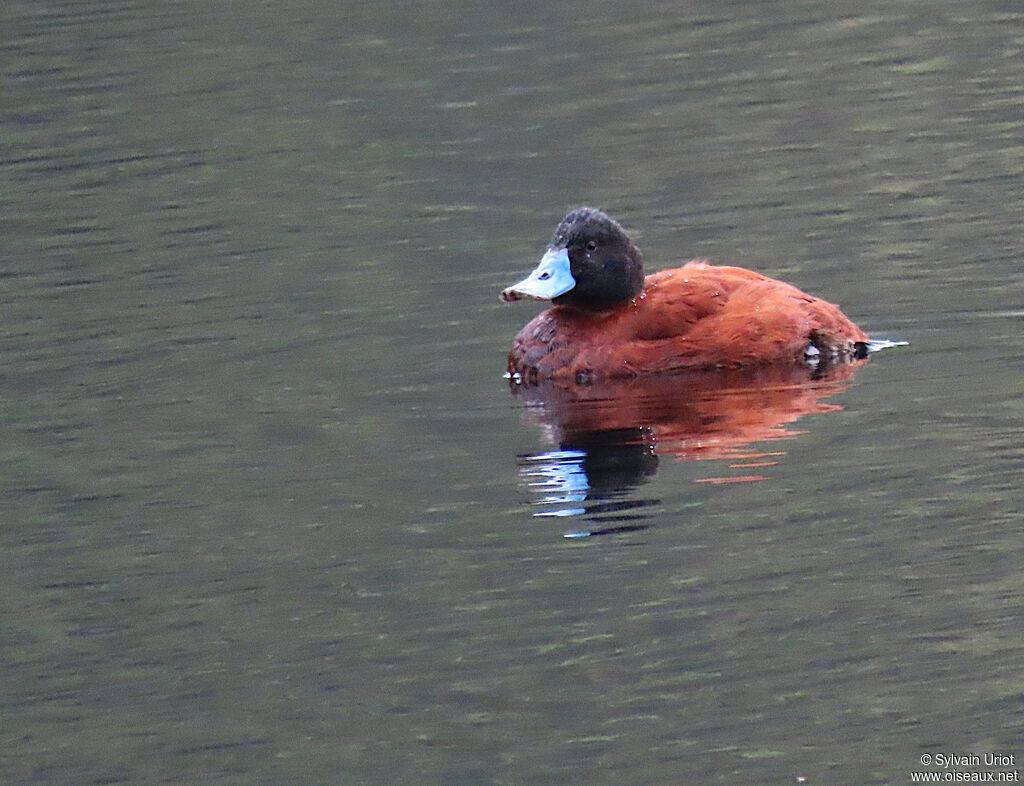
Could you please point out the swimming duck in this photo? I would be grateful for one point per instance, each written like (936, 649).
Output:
(610, 321)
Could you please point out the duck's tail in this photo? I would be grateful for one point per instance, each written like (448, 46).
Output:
(876, 344)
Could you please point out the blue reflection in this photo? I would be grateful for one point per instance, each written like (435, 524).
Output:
(593, 477)
(559, 475)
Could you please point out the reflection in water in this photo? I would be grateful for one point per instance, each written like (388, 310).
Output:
(610, 435)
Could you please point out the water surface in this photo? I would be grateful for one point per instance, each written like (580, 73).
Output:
(267, 510)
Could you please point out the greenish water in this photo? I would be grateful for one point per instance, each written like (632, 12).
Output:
(267, 513)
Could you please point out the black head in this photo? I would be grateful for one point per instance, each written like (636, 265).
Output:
(590, 264)
(602, 259)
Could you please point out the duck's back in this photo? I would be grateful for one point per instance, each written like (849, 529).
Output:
(693, 317)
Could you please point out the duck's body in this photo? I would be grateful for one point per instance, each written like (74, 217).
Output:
(611, 321)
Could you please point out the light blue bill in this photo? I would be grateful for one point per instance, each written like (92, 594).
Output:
(551, 278)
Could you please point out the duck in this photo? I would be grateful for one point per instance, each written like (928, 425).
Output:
(610, 321)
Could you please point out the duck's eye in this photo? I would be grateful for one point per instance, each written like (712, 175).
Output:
(544, 275)
(592, 245)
